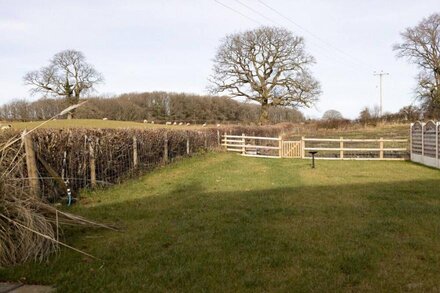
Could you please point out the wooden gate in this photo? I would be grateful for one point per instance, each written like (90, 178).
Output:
(291, 149)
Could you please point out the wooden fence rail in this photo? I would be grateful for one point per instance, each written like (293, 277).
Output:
(247, 145)
(342, 149)
(276, 147)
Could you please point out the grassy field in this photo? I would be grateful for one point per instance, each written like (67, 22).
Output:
(385, 131)
(225, 223)
(95, 123)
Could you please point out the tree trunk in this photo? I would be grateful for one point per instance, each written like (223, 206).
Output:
(264, 114)
(72, 101)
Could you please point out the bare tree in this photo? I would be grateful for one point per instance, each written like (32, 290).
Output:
(267, 65)
(68, 75)
(421, 45)
(410, 113)
(332, 115)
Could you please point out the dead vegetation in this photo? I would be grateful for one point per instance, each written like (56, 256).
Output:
(30, 225)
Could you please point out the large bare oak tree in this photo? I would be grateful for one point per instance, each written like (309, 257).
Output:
(421, 45)
(268, 65)
(68, 75)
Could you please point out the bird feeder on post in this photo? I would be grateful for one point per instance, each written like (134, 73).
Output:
(313, 153)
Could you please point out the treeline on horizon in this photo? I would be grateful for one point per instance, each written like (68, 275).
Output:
(159, 107)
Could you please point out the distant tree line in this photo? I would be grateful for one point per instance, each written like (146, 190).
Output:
(371, 116)
(152, 106)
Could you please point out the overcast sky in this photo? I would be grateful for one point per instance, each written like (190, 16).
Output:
(169, 45)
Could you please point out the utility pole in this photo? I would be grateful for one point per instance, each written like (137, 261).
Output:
(380, 74)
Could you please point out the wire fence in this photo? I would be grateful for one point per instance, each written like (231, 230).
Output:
(68, 160)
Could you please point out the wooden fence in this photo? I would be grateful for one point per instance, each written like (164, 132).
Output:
(253, 146)
(327, 148)
(425, 142)
(355, 148)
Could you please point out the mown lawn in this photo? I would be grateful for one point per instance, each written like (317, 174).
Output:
(225, 223)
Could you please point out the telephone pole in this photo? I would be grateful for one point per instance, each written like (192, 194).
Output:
(380, 74)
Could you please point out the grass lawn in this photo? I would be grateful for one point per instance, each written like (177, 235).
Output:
(222, 222)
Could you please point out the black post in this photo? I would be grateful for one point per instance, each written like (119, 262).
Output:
(313, 158)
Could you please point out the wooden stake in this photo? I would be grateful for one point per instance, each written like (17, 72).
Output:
(165, 147)
(135, 153)
(187, 144)
(31, 164)
(92, 164)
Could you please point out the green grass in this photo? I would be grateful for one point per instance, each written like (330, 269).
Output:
(95, 123)
(222, 222)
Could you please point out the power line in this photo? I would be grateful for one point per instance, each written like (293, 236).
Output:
(324, 50)
(313, 35)
(256, 12)
(238, 12)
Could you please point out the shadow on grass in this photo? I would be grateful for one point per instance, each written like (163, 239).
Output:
(309, 238)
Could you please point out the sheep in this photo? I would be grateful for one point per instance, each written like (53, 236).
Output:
(145, 121)
(204, 124)
(105, 119)
(168, 123)
(152, 122)
(218, 124)
(188, 124)
(181, 123)
(175, 123)
(4, 127)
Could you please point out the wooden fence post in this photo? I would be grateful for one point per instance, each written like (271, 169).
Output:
(218, 137)
(92, 164)
(165, 147)
(243, 143)
(135, 153)
(31, 164)
(303, 146)
(280, 146)
(381, 148)
(341, 146)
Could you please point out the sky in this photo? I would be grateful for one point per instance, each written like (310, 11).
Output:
(169, 45)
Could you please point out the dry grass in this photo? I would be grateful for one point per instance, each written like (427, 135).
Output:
(352, 131)
(29, 227)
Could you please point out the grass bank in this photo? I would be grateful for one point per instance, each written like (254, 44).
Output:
(221, 222)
